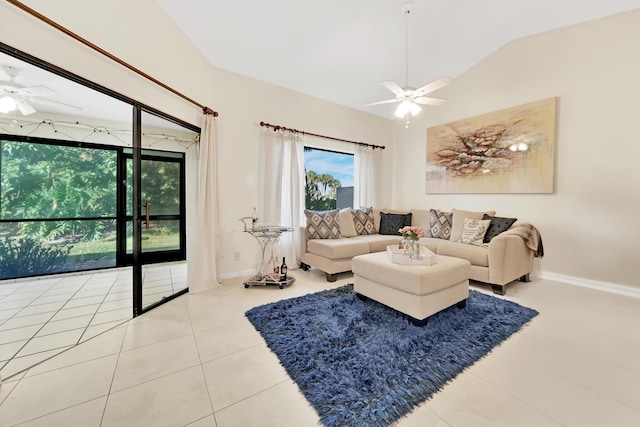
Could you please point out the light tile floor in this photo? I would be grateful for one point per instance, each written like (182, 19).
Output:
(45, 316)
(197, 361)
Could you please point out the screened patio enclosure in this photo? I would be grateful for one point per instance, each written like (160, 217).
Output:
(90, 181)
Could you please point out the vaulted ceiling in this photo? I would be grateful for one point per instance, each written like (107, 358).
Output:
(340, 50)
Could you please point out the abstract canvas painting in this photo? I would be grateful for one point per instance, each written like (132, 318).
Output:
(507, 151)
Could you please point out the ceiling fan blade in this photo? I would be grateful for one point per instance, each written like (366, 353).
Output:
(45, 101)
(5, 72)
(27, 91)
(388, 101)
(428, 100)
(433, 86)
(393, 87)
(24, 107)
(35, 91)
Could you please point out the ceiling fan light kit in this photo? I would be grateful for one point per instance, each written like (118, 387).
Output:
(16, 97)
(409, 97)
(7, 104)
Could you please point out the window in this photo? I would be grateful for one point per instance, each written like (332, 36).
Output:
(59, 206)
(329, 179)
(63, 158)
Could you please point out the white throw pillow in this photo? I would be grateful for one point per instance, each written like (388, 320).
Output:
(474, 230)
(347, 227)
(458, 221)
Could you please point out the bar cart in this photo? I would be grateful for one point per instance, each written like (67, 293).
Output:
(267, 237)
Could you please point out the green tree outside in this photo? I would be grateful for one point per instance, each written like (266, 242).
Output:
(320, 191)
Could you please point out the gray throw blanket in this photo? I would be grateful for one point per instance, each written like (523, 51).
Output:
(531, 236)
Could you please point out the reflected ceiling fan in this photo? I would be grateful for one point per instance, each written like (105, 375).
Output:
(409, 97)
(14, 96)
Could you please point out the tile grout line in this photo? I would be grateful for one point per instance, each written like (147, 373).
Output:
(572, 380)
(113, 376)
(85, 282)
(115, 280)
(41, 327)
(534, 408)
(204, 376)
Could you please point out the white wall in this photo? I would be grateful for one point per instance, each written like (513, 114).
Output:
(140, 33)
(589, 224)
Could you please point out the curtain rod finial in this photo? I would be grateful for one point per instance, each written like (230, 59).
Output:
(207, 110)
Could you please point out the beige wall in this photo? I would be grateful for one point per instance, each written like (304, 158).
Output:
(589, 224)
(145, 37)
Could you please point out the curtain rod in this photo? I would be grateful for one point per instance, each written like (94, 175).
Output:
(363, 144)
(205, 109)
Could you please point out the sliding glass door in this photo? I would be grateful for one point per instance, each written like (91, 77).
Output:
(93, 180)
(162, 195)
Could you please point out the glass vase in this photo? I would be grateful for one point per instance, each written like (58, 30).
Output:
(413, 249)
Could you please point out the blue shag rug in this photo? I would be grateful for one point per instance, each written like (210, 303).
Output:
(360, 363)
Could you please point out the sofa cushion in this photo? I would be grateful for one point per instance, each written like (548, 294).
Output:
(440, 224)
(376, 217)
(322, 224)
(498, 225)
(458, 221)
(430, 243)
(378, 242)
(474, 230)
(338, 248)
(476, 255)
(421, 218)
(391, 223)
(363, 221)
(347, 228)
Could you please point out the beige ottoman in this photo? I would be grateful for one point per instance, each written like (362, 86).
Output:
(415, 290)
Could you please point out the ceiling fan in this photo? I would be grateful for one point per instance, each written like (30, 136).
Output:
(14, 96)
(409, 97)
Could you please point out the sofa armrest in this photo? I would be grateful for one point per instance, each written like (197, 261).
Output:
(303, 240)
(509, 259)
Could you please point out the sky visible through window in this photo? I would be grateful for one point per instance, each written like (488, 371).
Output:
(339, 165)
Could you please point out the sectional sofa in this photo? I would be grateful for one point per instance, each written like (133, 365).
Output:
(503, 253)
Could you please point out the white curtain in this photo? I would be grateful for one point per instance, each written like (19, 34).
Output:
(281, 193)
(367, 169)
(202, 269)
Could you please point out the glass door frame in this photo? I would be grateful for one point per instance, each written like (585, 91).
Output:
(138, 108)
(151, 257)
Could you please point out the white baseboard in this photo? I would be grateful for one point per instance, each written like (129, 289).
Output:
(571, 280)
(243, 273)
(234, 274)
(592, 284)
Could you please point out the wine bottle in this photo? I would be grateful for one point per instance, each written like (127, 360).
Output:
(283, 270)
(254, 218)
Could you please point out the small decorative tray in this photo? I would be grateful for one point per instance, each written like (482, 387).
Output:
(397, 256)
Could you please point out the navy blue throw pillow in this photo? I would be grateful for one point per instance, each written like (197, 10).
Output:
(391, 223)
(497, 226)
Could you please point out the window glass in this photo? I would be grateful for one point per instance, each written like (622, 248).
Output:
(329, 179)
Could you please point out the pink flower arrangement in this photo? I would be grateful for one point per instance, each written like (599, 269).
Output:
(412, 232)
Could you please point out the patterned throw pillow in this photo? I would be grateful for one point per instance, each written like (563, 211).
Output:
(473, 231)
(363, 221)
(440, 224)
(391, 223)
(323, 224)
(498, 225)
(458, 221)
